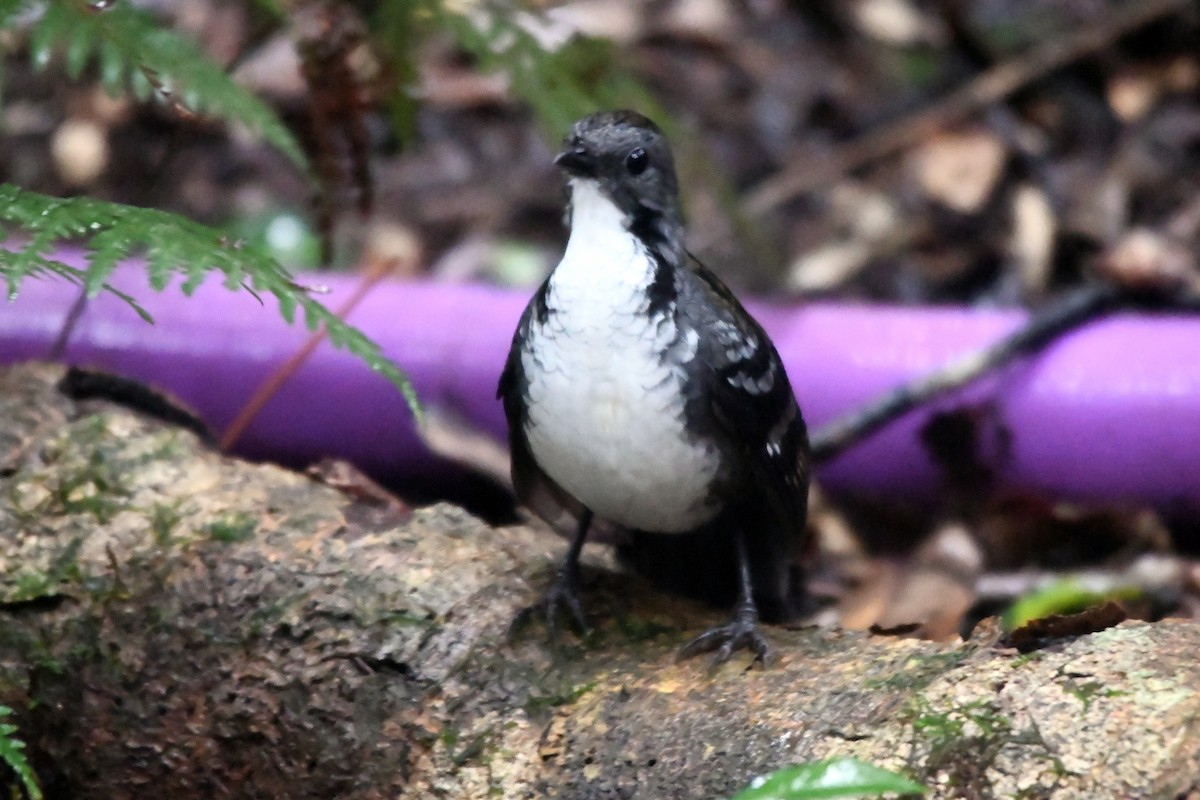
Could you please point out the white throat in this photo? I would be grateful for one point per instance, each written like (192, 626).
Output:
(591, 208)
(600, 240)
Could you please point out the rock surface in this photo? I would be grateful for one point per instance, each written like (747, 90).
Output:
(175, 623)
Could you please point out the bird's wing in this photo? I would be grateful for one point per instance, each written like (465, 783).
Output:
(752, 403)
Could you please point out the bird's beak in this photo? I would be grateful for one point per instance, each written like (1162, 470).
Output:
(577, 161)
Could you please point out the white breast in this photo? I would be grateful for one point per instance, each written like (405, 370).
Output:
(605, 414)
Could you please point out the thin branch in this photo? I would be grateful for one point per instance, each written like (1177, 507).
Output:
(59, 348)
(268, 388)
(987, 88)
(1074, 310)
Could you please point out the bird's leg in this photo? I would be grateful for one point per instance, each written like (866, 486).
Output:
(564, 591)
(742, 630)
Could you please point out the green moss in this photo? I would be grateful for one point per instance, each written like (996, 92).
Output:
(448, 737)
(171, 446)
(403, 618)
(472, 749)
(1027, 658)
(941, 729)
(32, 584)
(164, 519)
(459, 751)
(94, 489)
(562, 696)
(35, 651)
(635, 629)
(919, 671)
(230, 528)
(959, 743)
(1087, 692)
(91, 480)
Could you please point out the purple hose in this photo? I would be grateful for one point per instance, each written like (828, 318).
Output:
(1110, 412)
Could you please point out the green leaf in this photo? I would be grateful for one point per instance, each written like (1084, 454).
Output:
(135, 53)
(835, 777)
(1065, 596)
(174, 247)
(12, 754)
(10, 9)
(395, 27)
(78, 44)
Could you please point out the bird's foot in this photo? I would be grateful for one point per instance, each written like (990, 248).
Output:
(562, 596)
(741, 632)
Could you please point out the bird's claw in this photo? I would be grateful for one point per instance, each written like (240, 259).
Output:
(562, 595)
(741, 632)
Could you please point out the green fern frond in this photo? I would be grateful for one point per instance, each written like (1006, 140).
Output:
(134, 52)
(395, 29)
(173, 246)
(12, 754)
(11, 9)
(561, 83)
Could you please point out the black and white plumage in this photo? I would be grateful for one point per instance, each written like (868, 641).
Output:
(638, 390)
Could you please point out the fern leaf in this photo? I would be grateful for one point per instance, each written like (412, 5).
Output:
(561, 83)
(12, 753)
(174, 246)
(395, 28)
(134, 52)
(11, 9)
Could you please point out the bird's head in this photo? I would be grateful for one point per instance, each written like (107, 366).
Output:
(625, 157)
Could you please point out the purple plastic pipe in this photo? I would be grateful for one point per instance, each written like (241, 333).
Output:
(1110, 412)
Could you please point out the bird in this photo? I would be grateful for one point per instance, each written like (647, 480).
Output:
(639, 391)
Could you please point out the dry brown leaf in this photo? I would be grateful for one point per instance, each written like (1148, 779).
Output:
(863, 607)
(350, 480)
(1039, 633)
(959, 169)
(869, 223)
(1133, 92)
(898, 22)
(708, 20)
(80, 151)
(1033, 234)
(620, 22)
(1146, 260)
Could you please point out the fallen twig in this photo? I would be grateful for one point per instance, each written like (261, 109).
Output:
(276, 379)
(988, 87)
(1077, 308)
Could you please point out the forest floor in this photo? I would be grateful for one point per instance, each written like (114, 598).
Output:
(985, 152)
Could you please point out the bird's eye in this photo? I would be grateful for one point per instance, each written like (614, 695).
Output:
(637, 161)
